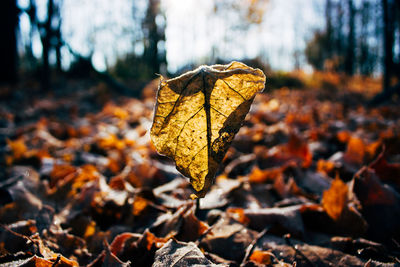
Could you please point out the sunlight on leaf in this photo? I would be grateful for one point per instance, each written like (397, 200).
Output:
(198, 114)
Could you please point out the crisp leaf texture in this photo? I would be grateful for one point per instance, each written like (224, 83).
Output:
(175, 253)
(198, 114)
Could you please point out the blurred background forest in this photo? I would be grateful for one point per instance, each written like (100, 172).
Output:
(126, 43)
(311, 179)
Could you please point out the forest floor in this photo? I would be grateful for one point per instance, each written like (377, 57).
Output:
(311, 179)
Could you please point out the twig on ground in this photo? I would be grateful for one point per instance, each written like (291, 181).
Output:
(250, 247)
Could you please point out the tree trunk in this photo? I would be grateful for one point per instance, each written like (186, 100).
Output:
(397, 16)
(58, 47)
(329, 29)
(339, 37)
(365, 63)
(388, 41)
(46, 42)
(349, 62)
(8, 44)
(388, 61)
(57, 36)
(154, 34)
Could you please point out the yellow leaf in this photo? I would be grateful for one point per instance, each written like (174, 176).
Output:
(90, 229)
(17, 147)
(198, 114)
(139, 205)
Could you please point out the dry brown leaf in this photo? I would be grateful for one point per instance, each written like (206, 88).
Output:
(387, 172)
(198, 114)
(277, 220)
(175, 253)
(228, 239)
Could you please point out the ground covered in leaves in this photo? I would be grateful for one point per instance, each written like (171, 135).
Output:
(312, 179)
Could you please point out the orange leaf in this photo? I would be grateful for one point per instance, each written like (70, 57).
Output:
(59, 172)
(355, 151)
(298, 119)
(41, 262)
(111, 141)
(18, 147)
(117, 183)
(238, 214)
(334, 200)
(325, 166)
(113, 165)
(261, 257)
(119, 241)
(298, 147)
(90, 229)
(343, 136)
(372, 148)
(63, 261)
(139, 205)
(262, 176)
(121, 113)
(86, 173)
(151, 240)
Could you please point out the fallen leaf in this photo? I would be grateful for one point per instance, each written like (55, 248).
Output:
(175, 253)
(108, 258)
(61, 172)
(192, 228)
(198, 114)
(227, 233)
(315, 182)
(278, 220)
(387, 172)
(18, 148)
(267, 175)
(261, 257)
(334, 200)
(308, 255)
(365, 248)
(380, 205)
(139, 205)
(298, 147)
(238, 215)
(355, 151)
(325, 166)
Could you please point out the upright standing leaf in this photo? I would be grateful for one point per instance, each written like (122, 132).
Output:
(198, 114)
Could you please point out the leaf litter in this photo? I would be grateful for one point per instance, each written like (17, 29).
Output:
(311, 178)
